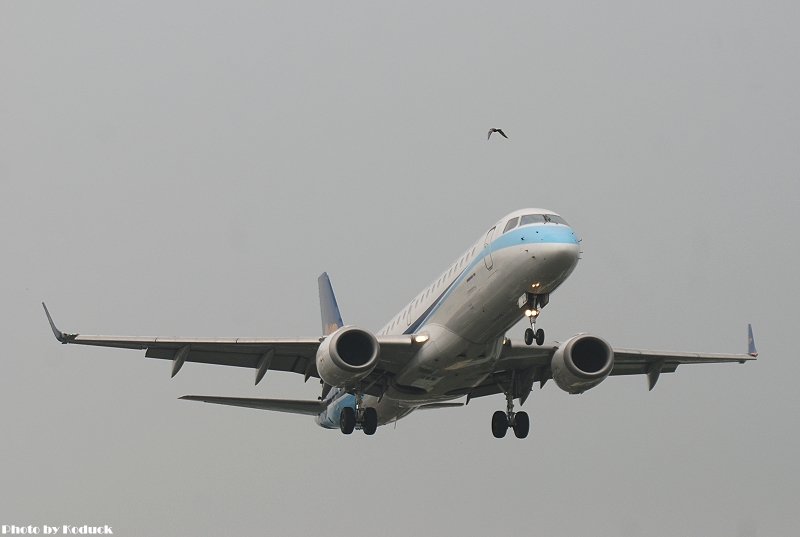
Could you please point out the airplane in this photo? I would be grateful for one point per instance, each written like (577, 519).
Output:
(449, 342)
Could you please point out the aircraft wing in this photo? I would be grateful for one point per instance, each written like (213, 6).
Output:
(296, 355)
(521, 365)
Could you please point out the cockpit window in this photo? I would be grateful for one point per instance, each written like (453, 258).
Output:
(541, 219)
(511, 224)
(555, 219)
(531, 219)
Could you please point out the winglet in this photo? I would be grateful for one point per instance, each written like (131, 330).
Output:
(60, 336)
(329, 309)
(751, 342)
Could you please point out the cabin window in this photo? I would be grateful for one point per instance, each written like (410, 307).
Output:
(511, 224)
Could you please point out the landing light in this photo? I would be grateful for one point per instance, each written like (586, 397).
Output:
(422, 338)
(531, 313)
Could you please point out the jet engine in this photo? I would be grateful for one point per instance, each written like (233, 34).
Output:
(347, 356)
(582, 362)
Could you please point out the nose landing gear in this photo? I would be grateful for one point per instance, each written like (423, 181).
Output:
(530, 335)
(535, 305)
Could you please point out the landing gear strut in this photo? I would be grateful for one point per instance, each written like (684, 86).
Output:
(365, 418)
(502, 421)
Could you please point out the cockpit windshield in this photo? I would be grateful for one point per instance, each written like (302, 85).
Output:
(541, 219)
(531, 219)
(555, 219)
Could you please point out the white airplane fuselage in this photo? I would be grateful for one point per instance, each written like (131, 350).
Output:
(466, 312)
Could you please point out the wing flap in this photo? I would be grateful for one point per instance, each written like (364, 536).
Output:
(297, 362)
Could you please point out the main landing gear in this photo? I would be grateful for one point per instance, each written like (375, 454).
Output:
(366, 418)
(503, 421)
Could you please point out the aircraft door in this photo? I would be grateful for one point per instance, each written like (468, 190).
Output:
(487, 259)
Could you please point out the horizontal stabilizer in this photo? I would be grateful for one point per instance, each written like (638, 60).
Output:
(432, 406)
(310, 408)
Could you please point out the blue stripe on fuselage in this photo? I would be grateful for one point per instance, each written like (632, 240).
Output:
(532, 234)
(545, 233)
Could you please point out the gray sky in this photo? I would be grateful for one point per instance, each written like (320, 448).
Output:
(189, 169)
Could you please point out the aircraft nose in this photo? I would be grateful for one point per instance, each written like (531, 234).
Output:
(562, 256)
(554, 262)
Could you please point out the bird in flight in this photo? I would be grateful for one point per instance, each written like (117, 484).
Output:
(499, 131)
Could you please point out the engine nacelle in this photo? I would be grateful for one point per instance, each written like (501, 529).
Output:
(347, 356)
(582, 362)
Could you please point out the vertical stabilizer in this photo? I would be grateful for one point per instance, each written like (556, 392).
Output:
(329, 309)
(751, 342)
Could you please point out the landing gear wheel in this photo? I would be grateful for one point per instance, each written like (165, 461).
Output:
(499, 424)
(529, 336)
(539, 337)
(522, 424)
(370, 424)
(347, 420)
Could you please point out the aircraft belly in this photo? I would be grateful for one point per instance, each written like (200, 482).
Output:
(446, 367)
(389, 409)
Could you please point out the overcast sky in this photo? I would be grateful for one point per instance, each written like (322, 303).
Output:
(189, 168)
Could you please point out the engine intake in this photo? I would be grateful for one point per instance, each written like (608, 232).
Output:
(347, 356)
(581, 363)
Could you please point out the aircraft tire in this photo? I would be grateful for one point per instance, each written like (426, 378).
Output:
(529, 336)
(370, 424)
(347, 420)
(539, 337)
(499, 424)
(522, 424)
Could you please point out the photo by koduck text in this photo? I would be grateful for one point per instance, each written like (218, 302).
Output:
(63, 529)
